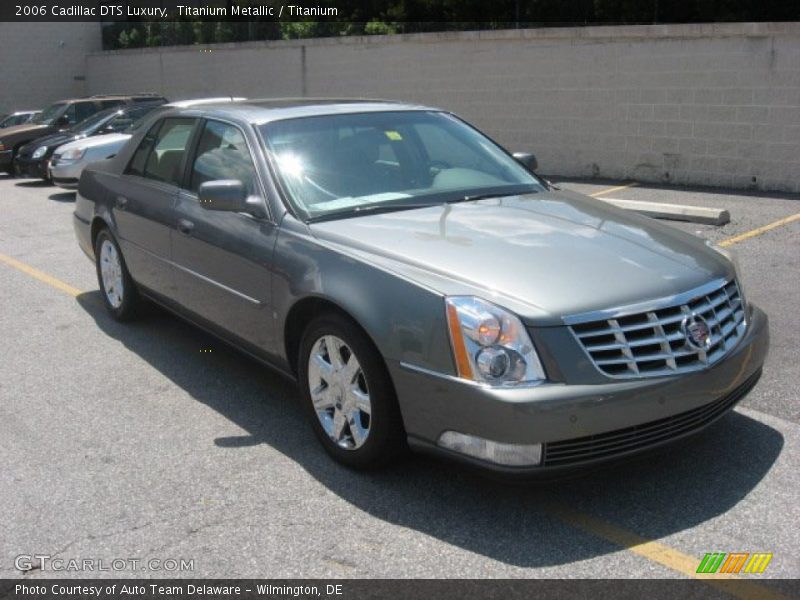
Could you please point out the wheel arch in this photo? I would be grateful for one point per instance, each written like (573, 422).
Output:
(98, 224)
(300, 314)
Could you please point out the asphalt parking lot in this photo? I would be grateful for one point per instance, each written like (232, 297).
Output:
(153, 440)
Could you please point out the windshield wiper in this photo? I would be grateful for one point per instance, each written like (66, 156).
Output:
(389, 207)
(379, 207)
(486, 196)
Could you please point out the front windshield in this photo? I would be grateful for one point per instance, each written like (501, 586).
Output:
(49, 114)
(95, 122)
(336, 165)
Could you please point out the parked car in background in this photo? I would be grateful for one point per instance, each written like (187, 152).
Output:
(33, 158)
(18, 118)
(422, 285)
(69, 160)
(58, 117)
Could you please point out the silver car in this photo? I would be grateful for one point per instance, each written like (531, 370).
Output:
(17, 118)
(69, 160)
(422, 285)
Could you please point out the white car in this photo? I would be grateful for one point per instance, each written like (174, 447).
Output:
(70, 159)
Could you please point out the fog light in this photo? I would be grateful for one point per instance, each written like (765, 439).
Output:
(512, 455)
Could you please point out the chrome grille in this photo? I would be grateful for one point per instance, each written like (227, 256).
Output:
(652, 343)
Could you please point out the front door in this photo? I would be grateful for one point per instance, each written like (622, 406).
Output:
(223, 259)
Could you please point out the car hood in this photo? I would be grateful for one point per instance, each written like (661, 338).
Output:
(96, 141)
(51, 141)
(24, 131)
(545, 256)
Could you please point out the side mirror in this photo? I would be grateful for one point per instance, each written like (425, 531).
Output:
(62, 121)
(527, 160)
(229, 195)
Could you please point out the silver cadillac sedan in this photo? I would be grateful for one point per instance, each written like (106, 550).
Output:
(424, 287)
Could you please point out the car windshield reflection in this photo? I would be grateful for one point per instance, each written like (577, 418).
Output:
(338, 165)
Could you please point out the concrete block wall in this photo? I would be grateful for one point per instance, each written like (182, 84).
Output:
(44, 62)
(708, 104)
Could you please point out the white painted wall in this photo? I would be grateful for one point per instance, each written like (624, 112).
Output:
(44, 62)
(711, 104)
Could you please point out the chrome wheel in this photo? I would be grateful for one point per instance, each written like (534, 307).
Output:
(339, 392)
(111, 273)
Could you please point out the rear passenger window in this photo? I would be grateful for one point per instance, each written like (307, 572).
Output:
(222, 153)
(136, 166)
(160, 153)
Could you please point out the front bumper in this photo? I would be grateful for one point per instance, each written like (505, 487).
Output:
(66, 183)
(66, 174)
(28, 167)
(580, 424)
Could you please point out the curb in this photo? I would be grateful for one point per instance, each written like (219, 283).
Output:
(675, 212)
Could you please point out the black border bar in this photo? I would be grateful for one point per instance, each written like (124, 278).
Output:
(35, 588)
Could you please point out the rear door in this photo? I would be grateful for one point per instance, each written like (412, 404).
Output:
(223, 259)
(144, 202)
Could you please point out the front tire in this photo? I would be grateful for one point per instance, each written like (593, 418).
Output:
(348, 394)
(117, 288)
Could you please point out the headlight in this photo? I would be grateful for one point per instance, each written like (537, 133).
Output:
(40, 152)
(73, 154)
(490, 344)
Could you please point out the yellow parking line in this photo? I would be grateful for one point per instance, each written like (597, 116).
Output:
(664, 555)
(613, 189)
(754, 232)
(40, 275)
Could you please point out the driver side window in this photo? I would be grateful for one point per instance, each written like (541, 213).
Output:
(222, 153)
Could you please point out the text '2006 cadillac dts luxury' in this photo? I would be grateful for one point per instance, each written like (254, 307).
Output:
(423, 286)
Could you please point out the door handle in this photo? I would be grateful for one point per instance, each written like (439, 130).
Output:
(122, 202)
(185, 226)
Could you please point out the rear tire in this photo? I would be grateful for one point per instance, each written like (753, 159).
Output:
(348, 394)
(120, 296)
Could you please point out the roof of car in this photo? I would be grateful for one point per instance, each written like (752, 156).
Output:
(273, 109)
(101, 97)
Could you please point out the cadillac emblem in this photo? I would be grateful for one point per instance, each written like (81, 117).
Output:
(696, 331)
